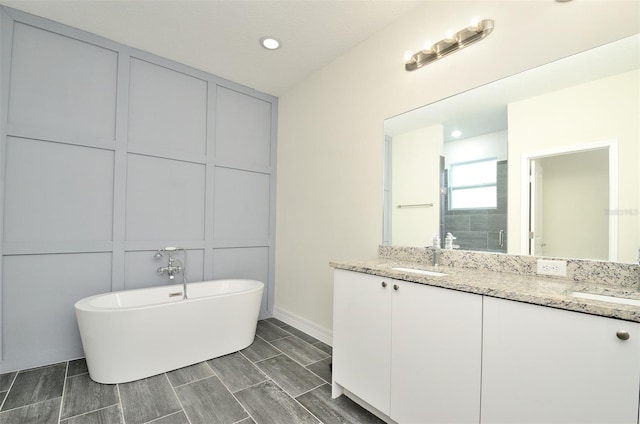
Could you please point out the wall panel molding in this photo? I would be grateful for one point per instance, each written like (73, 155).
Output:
(142, 153)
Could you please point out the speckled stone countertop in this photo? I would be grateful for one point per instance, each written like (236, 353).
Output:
(535, 289)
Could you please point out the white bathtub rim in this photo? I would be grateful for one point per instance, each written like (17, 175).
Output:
(86, 304)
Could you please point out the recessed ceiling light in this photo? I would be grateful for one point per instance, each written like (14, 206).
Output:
(456, 133)
(270, 43)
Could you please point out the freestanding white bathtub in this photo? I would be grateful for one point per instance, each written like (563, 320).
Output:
(134, 334)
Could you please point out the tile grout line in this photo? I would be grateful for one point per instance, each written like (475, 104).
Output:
(321, 342)
(90, 412)
(254, 366)
(277, 385)
(329, 356)
(296, 400)
(310, 345)
(299, 363)
(15, 377)
(316, 374)
(263, 359)
(278, 328)
(233, 394)
(294, 360)
(292, 335)
(311, 390)
(284, 324)
(279, 338)
(173, 389)
(33, 404)
(197, 379)
(300, 403)
(319, 360)
(300, 331)
(63, 398)
(305, 367)
(64, 387)
(271, 357)
(166, 416)
(289, 394)
(124, 421)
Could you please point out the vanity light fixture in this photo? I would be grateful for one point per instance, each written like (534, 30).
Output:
(270, 43)
(452, 43)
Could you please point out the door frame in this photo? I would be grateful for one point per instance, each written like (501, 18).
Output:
(525, 204)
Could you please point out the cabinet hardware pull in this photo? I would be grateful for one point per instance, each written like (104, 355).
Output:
(622, 335)
(396, 287)
(384, 284)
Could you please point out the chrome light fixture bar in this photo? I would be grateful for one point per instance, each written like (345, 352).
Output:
(461, 39)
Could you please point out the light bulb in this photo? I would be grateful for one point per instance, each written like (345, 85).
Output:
(407, 55)
(450, 36)
(427, 47)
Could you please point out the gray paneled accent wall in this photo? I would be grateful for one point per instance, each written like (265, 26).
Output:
(108, 153)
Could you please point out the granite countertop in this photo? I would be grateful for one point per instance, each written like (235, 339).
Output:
(539, 290)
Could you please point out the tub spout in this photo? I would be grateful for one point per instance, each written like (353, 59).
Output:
(171, 270)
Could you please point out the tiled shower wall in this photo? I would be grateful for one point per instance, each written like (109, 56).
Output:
(478, 229)
(109, 153)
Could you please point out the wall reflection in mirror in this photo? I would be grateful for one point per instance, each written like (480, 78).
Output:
(544, 162)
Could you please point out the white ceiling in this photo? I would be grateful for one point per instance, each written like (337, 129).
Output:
(221, 37)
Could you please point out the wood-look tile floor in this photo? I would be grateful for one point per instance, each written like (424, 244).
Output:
(282, 378)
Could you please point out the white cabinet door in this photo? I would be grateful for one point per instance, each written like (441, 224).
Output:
(545, 365)
(362, 336)
(436, 355)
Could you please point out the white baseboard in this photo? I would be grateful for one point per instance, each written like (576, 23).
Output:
(323, 334)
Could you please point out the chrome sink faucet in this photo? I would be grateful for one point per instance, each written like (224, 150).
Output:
(436, 250)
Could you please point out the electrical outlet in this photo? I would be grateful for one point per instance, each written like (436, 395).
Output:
(551, 267)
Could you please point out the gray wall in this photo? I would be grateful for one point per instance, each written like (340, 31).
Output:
(109, 153)
(478, 229)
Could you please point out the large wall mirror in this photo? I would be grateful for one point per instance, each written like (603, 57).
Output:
(545, 162)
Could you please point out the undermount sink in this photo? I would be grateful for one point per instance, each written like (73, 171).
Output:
(420, 271)
(605, 298)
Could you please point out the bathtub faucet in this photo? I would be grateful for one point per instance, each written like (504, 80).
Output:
(174, 267)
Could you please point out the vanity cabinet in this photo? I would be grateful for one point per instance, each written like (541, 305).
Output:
(436, 342)
(411, 351)
(362, 337)
(543, 365)
(416, 354)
